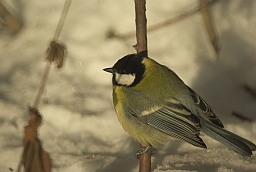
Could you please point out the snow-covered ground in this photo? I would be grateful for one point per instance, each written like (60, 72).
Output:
(80, 128)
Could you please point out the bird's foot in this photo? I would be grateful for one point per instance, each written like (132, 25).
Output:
(143, 150)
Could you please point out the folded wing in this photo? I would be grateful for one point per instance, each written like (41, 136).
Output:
(175, 120)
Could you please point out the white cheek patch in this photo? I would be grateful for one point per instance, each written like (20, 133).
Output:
(125, 79)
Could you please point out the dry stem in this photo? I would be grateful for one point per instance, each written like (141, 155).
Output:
(154, 27)
(42, 84)
(62, 19)
(141, 25)
(209, 25)
(55, 53)
(34, 157)
(141, 45)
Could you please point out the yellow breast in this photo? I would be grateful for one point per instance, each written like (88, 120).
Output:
(143, 133)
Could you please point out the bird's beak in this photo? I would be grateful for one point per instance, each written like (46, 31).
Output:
(109, 70)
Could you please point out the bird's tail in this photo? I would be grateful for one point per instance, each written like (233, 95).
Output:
(236, 143)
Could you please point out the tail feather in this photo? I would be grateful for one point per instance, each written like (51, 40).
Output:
(238, 144)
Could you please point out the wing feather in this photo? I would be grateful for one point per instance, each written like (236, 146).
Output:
(175, 120)
(205, 108)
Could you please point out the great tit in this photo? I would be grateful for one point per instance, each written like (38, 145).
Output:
(152, 103)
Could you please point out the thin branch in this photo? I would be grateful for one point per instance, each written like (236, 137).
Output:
(62, 19)
(34, 157)
(157, 26)
(208, 23)
(55, 53)
(141, 25)
(42, 84)
(141, 45)
(145, 161)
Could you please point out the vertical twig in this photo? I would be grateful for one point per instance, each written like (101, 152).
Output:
(62, 19)
(141, 45)
(141, 25)
(34, 157)
(56, 52)
(209, 25)
(161, 24)
(145, 161)
(42, 84)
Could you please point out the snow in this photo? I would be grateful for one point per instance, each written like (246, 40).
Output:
(80, 128)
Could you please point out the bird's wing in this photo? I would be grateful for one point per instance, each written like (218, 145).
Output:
(175, 120)
(205, 109)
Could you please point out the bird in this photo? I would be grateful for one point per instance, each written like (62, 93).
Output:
(153, 105)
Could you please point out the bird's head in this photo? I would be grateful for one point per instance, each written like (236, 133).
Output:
(128, 71)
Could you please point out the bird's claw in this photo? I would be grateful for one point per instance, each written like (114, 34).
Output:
(143, 150)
